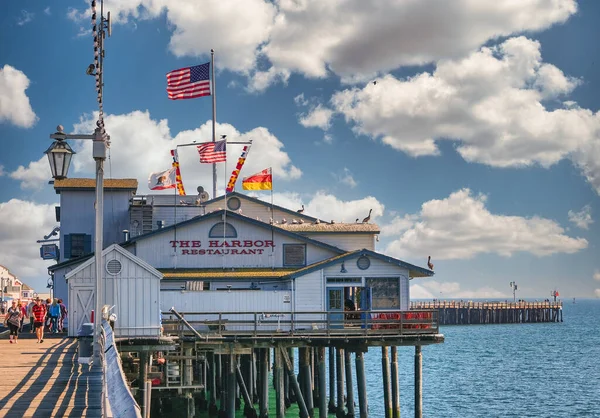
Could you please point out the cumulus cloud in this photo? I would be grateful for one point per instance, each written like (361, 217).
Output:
(25, 18)
(14, 103)
(460, 227)
(318, 117)
(429, 289)
(351, 38)
(140, 145)
(21, 224)
(47, 11)
(345, 177)
(583, 218)
(491, 102)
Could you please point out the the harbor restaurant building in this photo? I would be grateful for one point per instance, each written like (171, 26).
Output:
(229, 254)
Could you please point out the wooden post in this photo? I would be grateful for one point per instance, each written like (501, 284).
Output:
(291, 394)
(332, 404)
(361, 381)
(263, 401)
(395, 388)
(278, 379)
(212, 386)
(339, 357)
(295, 386)
(349, 389)
(306, 382)
(418, 382)
(143, 376)
(249, 410)
(322, 382)
(188, 370)
(231, 386)
(385, 371)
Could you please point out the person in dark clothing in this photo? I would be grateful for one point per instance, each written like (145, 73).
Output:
(13, 320)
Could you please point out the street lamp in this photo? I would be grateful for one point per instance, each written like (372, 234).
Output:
(59, 155)
(59, 171)
(514, 288)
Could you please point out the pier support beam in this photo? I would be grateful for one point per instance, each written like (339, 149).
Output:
(278, 379)
(387, 393)
(332, 405)
(264, 383)
(395, 388)
(212, 386)
(231, 386)
(322, 382)
(306, 382)
(249, 410)
(418, 382)
(361, 382)
(294, 385)
(339, 359)
(349, 389)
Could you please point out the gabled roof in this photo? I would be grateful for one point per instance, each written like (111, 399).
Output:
(219, 214)
(124, 253)
(90, 184)
(345, 228)
(261, 202)
(413, 271)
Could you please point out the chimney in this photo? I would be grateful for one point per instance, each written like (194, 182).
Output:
(125, 235)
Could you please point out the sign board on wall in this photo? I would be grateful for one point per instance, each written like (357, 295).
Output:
(222, 247)
(49, 252)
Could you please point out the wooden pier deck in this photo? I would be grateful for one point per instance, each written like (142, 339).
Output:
(45, 380)
(452, 312)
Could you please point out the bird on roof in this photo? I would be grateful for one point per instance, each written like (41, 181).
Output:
(294, 221)
(283, 221)
(317, 222)
(374, 82)
(332, 222)
(301, 221)
(429, 263)
(356, 221)
(271, 221)
(301, 210)
(368, 218)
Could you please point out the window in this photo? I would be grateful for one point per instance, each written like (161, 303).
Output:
(354, 281)
(77, 245)
(222, 230)
(294, 255)
(233, 203)
(363, 262)
(385, 292)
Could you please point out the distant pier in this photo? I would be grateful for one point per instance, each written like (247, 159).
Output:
(470, 313)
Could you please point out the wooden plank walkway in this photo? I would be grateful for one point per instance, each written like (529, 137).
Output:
(45, 380)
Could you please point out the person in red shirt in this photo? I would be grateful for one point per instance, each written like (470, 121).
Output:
(39, 315)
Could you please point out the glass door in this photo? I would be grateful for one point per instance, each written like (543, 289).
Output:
(335, 306)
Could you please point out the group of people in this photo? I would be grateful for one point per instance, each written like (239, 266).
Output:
(49, 316)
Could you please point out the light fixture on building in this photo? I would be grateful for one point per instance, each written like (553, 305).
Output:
(343, 269)
(59, 155)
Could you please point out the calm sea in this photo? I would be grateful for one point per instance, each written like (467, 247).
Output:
(512, 370)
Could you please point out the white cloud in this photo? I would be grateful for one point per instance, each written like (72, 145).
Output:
(351, 38)
(21, 224)
(345, 177)
(491, 102)
(25, 18)
(583, 218)
(597, 275)
(47, 11)
(14, 103)
(2, 171)
(140, 145)
(460, 227)
(430, 289)
(318, 117)
(328, 139)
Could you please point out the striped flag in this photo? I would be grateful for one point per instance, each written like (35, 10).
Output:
(235, 173)
(188, 82)
(213, 152)
(259, 181)
(180, 189)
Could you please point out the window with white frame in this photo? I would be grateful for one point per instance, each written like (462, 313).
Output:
(385, 292)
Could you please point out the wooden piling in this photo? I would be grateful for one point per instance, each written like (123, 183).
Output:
(212, 385)
(418, 382)
(249, 410)
(294, 385)
(395, 388)
(322, 382)
(332, 404)
(387, 393)
(349, 389)
(278, 380)
(361, 382)
(264, 383)
(306, 386)
(231, 386)
(339, 369)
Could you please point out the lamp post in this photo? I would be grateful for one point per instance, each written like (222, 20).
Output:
(513, 285)
(59, 156)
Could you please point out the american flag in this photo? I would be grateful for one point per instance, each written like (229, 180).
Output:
(188, 82)
(213, 152)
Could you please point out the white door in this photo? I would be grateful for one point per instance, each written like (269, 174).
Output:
(81, 302)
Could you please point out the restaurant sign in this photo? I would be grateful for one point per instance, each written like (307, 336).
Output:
(222, 247)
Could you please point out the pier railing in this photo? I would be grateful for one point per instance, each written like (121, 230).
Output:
(304, 324)
(485, 305)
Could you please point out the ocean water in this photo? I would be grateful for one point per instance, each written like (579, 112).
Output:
(506, 370)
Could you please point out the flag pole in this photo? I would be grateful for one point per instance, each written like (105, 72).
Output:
(272, 223)
(214, 117)
(225, 204)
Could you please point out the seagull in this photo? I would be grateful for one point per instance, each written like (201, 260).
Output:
(332, 222)
(271, 221)
(356, 221)
(374, 82)
(283, 221)
(429, 263)
(317, 222)
(301, 210)
(368, 218)
(301, 221)
(294, 221)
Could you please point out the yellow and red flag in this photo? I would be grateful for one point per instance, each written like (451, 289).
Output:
(259, 181)
(180, 189)
(235, 173)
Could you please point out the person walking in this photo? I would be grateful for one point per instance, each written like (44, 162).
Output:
(13, 320)
(23, 307)
(30, 316)
(39, 315)
(63, 315)
(54, 311)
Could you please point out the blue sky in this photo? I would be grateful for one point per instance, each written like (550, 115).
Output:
(478, 144)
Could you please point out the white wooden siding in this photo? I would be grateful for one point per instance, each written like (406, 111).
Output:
(347, 241)
(158, 251)
(310, 297)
